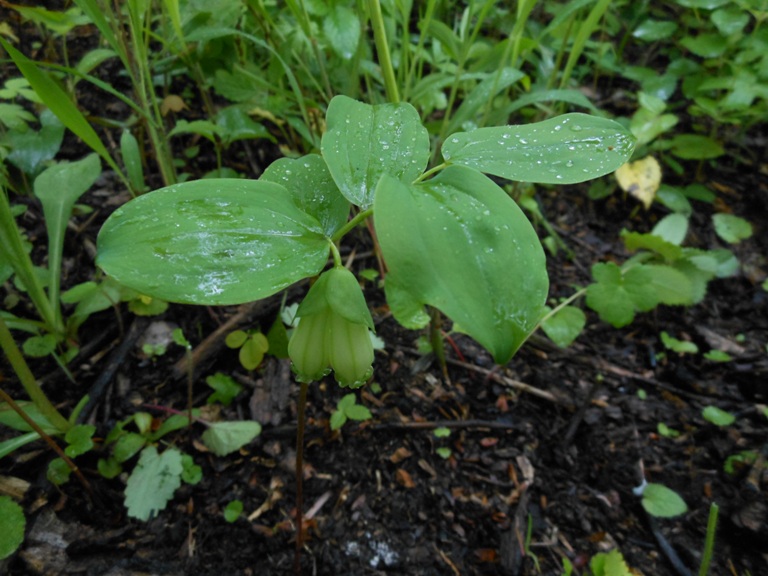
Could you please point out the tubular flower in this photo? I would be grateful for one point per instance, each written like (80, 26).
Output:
(333, 331)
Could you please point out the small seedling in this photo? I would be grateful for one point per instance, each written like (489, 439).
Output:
(252, 344)
(225, 389)
(443, 451)
(679, 346)
(660, 501)
(718, 416)
(666, 431)
(233, 511)
(348, 409)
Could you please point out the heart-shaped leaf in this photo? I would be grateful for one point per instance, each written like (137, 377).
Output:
(212, 242)
(562, 150)
(362, 142)
(459, 243)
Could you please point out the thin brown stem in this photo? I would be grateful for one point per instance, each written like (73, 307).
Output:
(301, 418)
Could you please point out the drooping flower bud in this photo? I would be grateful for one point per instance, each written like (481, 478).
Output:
(333, 331)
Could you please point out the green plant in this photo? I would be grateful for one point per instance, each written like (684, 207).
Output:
(348, 409)
(252, 346)
(443, 451)
(12, 524)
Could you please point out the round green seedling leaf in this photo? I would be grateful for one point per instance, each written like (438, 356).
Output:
(718, 416)
(563, 150)
(212, 242)
(662, 502)
(459, 243)
(565, 326)
(362, 142)
(12, 525)
(731, 228)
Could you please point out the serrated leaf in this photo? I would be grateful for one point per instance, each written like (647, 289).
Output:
(730, 228)
(640, 179)
(616, 295)
(363, 142)
(662, 502)
(153, 482)
(461, 220)
(311, 186)
(12, 526)
(212, 242)
(563, 150)
(565, 326)
(717, 416)
(672, 286)
(225, 388)
(223, 438)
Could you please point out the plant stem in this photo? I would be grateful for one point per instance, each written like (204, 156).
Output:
(382, 49)
(301, 417)
(50, 441)
(27, 379)
(359, 217)
(709, 541)
(436, 339)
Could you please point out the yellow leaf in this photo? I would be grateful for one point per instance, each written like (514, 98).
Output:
(641, 179)
(172, 103)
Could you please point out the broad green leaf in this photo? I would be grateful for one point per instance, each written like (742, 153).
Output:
(225, 388)
(731, 228)
(127, 446)
(342, 29)
(153, 482)
(731, 20)
(59, 102)
(363, 142)
(338, 419)
(253, 350)
(609, 564)
(212, 242)
(672, 228)
(709, 45)
(39, 346)
(573, 97)
(563, 150)
(653, 30)
(564, 326)
(672, 286)
(718, 356)
(312, 188)
(236, 339)
(235, 124)
(223, 438)
(58, 472)
(695, 147)
(12, 525)
(459, 243)
(717, 416)
(662, 502)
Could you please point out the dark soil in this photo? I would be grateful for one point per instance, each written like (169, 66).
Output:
(534, 475)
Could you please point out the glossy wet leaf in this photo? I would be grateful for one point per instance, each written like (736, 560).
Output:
(153, 482)
(212, 242)
(362, 142)
(459, 243)
(662, 502)
(563, 150)
(311, 186)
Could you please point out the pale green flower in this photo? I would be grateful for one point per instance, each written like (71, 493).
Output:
(333, 331)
